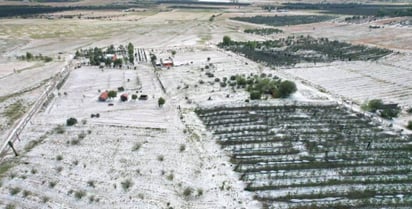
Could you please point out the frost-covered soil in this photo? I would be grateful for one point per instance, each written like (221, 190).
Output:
(313, 154)
(160, 150)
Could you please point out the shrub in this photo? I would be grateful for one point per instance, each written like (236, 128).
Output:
(74, 141)
(79, 194)
(136, 146)
(409, 126)
(226, 40)
(182, 148)
(187, 191)
(287, 88)
(59, 129)
(26, 193)
(45, 199)
(126, 184)
(170, 177)
(71, 121)
(390, 113)
(374, 104)
(112, 94)
(59, 157)
(160, 158)
(90, 183)
(120, 89)
(15, 190)
(52, 184)
(134, 96)
(254, 95)
(199, 192)
(161, 101)
(385, 111)
(10, 206)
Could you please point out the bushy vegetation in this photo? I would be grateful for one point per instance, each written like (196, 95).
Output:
(126, 184)
(79, 194)
(112, 94)
(261, 85)
(409, 126)
(97, 56)
(161, 101)
(296, 49)
(30, 57)
(263, 31)
(352, 8)
(385, 111)
(285, 20)
(71, 121)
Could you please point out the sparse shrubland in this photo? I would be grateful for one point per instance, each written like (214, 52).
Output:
(258, 86)
(385, 111)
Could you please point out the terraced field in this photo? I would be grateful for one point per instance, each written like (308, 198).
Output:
(305, 156)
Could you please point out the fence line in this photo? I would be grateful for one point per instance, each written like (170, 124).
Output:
(52, 85)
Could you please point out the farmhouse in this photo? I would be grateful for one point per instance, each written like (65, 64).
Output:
(167, 62)
(113, 57)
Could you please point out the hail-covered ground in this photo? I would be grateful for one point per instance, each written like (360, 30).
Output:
(137, 154)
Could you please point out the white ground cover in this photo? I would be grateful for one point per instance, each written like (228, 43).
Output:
(159, 170)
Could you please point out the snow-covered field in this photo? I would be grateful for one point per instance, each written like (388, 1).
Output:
(161, 152)
(361, 81)
(137, 154)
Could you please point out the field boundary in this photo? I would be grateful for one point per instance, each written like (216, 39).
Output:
(56, 82)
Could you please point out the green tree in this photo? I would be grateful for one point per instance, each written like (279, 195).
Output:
(153, 58)
(118, 62)
(409, 126)
(287, 88)
(29, 56)
(130, 50)
(161, 101)
(134, 96)
(112, 94)
(254, 95)
(173, 53)
(111, 50)
(226, 40)
(71, 121)
(77, 55)
(373, 105)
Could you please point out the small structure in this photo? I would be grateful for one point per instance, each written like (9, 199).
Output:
(124, 97)
(143, 97)
(167, 62)
(103, 96)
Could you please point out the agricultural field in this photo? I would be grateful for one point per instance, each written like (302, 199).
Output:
(284, 20)
(349, 80)
(293, 50)
(314, 155)
(216, 128)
